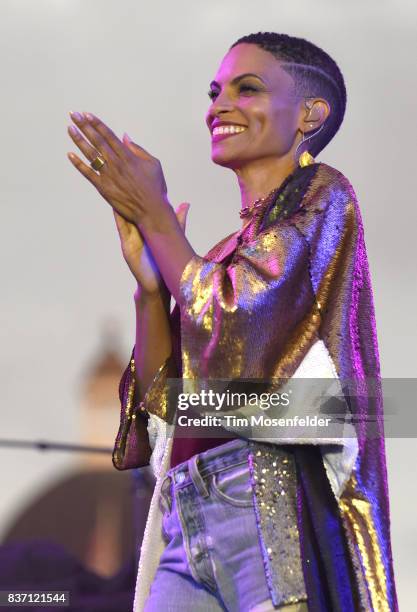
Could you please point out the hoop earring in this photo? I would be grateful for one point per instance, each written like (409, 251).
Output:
(306, 158)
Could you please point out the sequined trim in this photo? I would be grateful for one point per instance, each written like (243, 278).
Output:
(274, 481)
(124, 453)
(132, 448)
(362, 534)
(157, 397)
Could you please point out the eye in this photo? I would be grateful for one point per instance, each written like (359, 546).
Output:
(213, 94)
(247, 88)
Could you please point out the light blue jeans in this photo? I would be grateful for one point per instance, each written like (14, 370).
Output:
(212, 560)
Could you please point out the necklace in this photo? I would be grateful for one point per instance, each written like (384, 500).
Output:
(257, 204)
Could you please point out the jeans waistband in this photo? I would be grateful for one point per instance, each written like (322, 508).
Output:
(208, 462)
(217, 458)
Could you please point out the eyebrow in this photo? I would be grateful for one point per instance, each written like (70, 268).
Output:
(238, 78)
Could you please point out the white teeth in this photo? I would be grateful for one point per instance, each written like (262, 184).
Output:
(228, 129)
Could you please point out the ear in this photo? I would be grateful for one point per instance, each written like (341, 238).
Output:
(316, 112)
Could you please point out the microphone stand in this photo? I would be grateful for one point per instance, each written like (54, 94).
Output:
(143, 482)
(44, 445)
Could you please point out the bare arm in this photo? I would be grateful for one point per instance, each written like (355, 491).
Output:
(166, 240)
(153, 338)
(152, 301)
(132, 182)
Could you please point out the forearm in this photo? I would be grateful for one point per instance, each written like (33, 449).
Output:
(169, 246)
(153, 337)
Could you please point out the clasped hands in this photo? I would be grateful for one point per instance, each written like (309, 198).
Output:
(131, 180)
(133, 183)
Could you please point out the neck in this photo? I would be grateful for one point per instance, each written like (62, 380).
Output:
(260, 177)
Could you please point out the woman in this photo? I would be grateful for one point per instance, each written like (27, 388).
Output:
(259, 521)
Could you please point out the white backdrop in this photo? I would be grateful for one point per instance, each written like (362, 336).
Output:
(144, 68)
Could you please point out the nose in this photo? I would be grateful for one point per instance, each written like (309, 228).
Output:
(222, 100)
(222, 104)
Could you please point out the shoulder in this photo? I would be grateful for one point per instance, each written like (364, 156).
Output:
(330, 201)
(329, 207)
(331, 188)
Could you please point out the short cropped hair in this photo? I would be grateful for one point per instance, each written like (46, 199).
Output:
(314, 72)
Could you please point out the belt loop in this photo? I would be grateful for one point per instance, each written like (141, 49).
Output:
(196, 477)
(165, 492)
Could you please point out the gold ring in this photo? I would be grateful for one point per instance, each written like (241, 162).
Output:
(97, 163)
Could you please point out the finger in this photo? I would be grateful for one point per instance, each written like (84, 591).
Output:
(121, 224)
(135, 148)
(87, 171)
(127, 230)
(121, 221)
(182, 212)
(93, 136)
(85, 147)
(101, 132)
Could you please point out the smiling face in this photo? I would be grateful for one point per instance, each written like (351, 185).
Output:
(264, 104)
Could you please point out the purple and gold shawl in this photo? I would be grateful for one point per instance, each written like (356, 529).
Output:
(253, 307)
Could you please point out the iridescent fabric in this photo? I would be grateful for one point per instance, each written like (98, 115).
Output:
(292, 288)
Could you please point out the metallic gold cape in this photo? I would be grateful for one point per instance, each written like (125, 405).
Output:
(255, 305)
